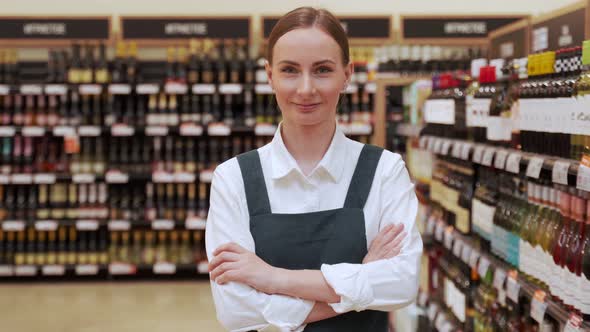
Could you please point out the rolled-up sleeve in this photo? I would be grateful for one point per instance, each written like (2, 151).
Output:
(386, 284)
(238, 306)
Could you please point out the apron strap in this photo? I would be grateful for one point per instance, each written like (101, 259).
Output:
(256, 193)
(362, 179)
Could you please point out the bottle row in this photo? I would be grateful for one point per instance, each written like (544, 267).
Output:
(99, 201)
(540, 228)
(31, 252)
(538, 104)
(135, 154)
(241, 109)
(459, 298)
(424, 59)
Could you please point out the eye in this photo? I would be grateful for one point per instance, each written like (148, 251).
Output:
(288, 70)
(324, 70)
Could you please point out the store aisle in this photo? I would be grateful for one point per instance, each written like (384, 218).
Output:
(113, 307)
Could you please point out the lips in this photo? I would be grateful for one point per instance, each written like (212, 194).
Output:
(307, 107)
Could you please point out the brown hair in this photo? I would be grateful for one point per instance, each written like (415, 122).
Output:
(308, 17)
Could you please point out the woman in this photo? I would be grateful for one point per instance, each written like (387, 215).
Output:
(290, 223)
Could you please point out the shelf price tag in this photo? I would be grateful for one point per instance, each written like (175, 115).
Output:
(488, 156)
(164, 268)
(90, 89)
(218, 129)
(163, 224)
(113, 176)
(87, 225)
(195, 223)
(466, 253)
(265, 129)
(122, 130)
(230, 89)
(203, 267)
(4, 90)
(206, 176)
(456, 152)
(147, 89)
(53, 270)
(534, 167)
(478, 154)
(156, 131)
(512, 286)
(122, 269)
(439, 232)
(583, 179)
(25, 270)
(6, 270)
(484, 265)
(31, 89)
(119, 89)
(538, 306)
(513, 163)
(457, 248)
(33, 131)
(172, 88)
(13, 225)
(431, 223)
(86, 270)
(438, 142)
(56, 89)
(560, 172)
(190, 129)
(46, 225)
(446, 146)
(448, 241)
(89, 131)
(7, 131)
(465, 150)
(119, 225)
(263, 89)
(203, 89)
(500, 161)
(423, 142)
(432, 311)
(83, 178)
(499, 278)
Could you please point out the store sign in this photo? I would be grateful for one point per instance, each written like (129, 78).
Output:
(510, 45)
(355, 27)
(54, 28)
(185, 27)
(566, 30)
(460, 27)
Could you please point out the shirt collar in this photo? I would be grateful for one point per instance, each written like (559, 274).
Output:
(332, 163)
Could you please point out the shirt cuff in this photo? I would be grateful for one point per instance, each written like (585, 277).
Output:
(287, 314)
(351, 282)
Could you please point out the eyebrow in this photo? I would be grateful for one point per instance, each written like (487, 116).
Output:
(289, 62)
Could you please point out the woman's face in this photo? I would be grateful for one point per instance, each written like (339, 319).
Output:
(307, 75)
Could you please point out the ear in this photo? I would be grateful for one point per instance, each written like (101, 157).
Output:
(348, 71)
(268, 70)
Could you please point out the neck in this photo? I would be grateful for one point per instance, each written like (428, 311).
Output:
(308, 144)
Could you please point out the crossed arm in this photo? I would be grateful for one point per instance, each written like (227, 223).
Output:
(233, 263)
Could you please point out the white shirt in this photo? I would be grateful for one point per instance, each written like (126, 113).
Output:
(381, 285)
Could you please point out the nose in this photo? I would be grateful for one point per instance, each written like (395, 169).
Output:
(306, 86)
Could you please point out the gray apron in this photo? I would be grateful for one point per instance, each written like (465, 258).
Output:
(308, 240)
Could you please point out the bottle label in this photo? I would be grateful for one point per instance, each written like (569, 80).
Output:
(538, 306)
(439, 111)
(477, 112)
(560, 172)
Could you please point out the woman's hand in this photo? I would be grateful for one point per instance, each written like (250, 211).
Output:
(387, 244)
(231, 262)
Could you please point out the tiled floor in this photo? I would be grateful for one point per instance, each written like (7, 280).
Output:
(108, 307)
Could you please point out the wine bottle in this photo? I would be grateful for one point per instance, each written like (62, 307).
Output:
(228, 115)
(131, 64)
(101, 71)
(207, 74)
(86, 70)
(119, 72)
(194, 65)
(181, 66)
(74, 72)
